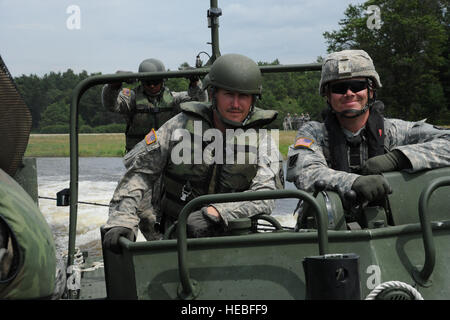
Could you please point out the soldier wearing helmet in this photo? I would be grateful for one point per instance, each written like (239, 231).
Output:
(234, 82)
(148, 107)
(356, 143)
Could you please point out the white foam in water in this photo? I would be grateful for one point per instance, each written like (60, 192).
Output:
(53, 176)
(89, 218)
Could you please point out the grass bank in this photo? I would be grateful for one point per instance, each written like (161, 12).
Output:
(90, 145)
(103, 145)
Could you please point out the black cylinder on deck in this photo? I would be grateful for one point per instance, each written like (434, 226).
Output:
(332, 277)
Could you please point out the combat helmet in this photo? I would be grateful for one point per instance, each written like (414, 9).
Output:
(151, 65)
(236, 72)
(347, 64)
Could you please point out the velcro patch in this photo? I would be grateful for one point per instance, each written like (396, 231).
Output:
(303, 142)
(126, 92)
(150, 137)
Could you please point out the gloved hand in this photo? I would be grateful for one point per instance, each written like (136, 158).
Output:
(201, 224)
(371, 187)
(111, 238)
(193, 81)
(391, 161)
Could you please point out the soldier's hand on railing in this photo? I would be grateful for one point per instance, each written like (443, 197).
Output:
(391, 161)
(118, 85)
(111, 238)
(371, 187)
(202, 224)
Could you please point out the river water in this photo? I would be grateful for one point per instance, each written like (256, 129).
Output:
(98, 178)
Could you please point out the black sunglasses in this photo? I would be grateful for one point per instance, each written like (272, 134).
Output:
(152, 82)
(353, 85)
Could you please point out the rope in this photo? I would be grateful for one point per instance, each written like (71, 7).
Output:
(79, 262)
(393, 285)
(95, 265)
(83, 202)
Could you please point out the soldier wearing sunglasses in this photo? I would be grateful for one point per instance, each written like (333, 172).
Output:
(145, 108)
(356, 143)
(150, 105)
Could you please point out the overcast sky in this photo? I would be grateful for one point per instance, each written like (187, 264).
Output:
(115, 35)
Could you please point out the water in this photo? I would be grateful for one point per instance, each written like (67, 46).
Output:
(97, 181)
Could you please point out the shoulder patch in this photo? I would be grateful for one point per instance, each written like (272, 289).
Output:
(150, 137)
(126, 92)
(303, 142)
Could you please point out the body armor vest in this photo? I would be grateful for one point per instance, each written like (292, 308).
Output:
(34, 263)
(148, 115)
(186, 181)
(349, 154)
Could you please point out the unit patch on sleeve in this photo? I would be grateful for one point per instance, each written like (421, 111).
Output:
(303, 142)
(150, 137)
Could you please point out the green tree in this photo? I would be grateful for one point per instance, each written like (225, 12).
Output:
(30, 88)
(49, 98)
(291, 92)
(56, 113)
(410, 52)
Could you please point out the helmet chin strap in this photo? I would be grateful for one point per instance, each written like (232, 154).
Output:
(354, 113)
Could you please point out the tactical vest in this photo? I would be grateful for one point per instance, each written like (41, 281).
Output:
(184, 182)
(148, 115)
(34, 249)
(349, 154)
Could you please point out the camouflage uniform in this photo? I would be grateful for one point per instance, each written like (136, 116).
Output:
(425, 146)
(140, 119)
(123, 101)
(310, 157)
(151, 158)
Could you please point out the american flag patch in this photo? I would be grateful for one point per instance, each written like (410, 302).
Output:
(303, 142)
(126, 92)
(150, 137)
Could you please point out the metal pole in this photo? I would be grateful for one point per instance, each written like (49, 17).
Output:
(213, 15)
(423, 275)
(189, 287)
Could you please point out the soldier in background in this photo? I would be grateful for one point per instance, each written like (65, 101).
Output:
(235, 82)
(148, 107)
(307, 117)
(356, 142)
(301, 120)
(294, 122)
(287, 123)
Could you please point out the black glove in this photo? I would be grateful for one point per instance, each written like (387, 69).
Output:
(201, 224)
(111, 238)
(193, 81)
(371, 187)
(391, 161)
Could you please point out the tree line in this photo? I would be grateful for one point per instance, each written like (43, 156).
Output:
(409, 47)
(49, 99)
